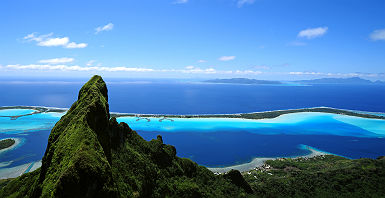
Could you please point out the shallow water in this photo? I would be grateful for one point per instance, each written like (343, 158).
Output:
(40, 121)
(15, 112)
(217, 142)
(308, 123)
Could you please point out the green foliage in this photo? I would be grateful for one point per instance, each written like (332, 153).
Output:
(267, 114)
(20, 187)
(324, 176)
(90, 155)
(6, 143)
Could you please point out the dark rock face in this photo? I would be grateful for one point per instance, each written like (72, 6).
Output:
(237, 179)
(90, 155)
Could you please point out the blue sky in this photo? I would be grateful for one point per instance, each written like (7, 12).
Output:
(263, 39)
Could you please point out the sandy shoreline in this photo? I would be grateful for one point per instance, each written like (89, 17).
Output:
(17, 171)
(260, 161)
(118, 114)
(256, 162)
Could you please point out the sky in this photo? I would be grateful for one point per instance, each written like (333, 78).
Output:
(262, 39)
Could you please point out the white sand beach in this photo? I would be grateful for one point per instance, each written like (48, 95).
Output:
(260, 161)
(14, 171)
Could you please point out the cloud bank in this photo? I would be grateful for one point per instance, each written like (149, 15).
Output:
(241, 3)
(313, 32)
(48, 41)
(57, 60)
(180, 1)
(107, 27)
(77, 68)
(378, 35)
(226, 58)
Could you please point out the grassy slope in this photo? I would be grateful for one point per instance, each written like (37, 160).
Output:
(91, 155)
(324, 176)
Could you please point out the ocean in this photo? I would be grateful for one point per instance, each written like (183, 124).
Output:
(216, 142)
(198, 98)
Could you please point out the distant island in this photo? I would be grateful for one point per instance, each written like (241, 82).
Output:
(245, 81)
(6, 143)
(258, 115)
(252, 115)
(352, 81)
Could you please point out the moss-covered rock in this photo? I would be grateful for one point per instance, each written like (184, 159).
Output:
(90, 155)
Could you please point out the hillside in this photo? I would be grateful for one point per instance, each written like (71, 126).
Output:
(89, 154)
(245, 81)
(322, 176)
(345, 81)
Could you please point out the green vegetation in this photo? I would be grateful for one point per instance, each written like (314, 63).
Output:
(37, 111)
(264, 115)
(6, 143)
(322, 176)
(256, 115)
(90, 155)
(274, 114)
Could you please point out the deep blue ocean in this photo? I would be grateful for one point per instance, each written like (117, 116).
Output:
(217, 147)
(196, 98)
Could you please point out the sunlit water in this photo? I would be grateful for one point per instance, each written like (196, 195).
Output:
(216, 142)
(15, 112)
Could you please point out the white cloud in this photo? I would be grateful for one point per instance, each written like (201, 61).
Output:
(76, 68)
(107, 27)
(54, 42)
(226, 58)
(180, 1)
(202, 61)
(90, 62)
(57, 60)
(240, 3)
(354, 74)
(196, 70)
(313, 32)
(76, 45)
(248, 72)
(33, 37)
(305, 73)
(377, 35)
(48, 41)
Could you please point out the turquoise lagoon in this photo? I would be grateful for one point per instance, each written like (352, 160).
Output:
(40, 121)
(308, 123)
(15, 112)
(214, 142)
